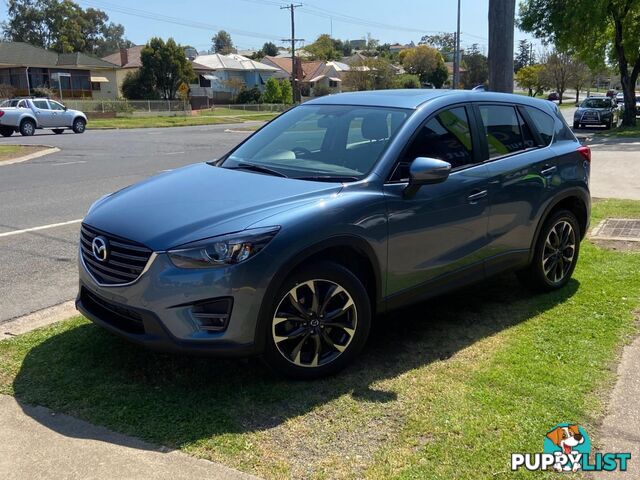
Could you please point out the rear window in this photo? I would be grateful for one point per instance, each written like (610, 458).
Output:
(543, 123)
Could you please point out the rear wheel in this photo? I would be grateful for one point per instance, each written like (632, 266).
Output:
(556, 253)
(58, 131)
(27, 128)
(79, 125)
(319, 322)
(6, 131)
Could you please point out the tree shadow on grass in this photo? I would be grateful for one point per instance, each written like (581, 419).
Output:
(177, 400)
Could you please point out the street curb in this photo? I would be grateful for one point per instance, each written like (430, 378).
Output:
(41, 318)
(48, 149)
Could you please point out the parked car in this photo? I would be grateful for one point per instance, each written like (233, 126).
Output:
(611, 93)
(553, 97)
(479, 88)
(620, 99)
(343, 207)
(428, 85)
(596, 111)
(25, 115)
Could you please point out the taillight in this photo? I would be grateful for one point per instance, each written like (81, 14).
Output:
(1, 113)
(585, 152)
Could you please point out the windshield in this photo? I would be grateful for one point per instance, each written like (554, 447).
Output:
(596, 103)
(321, 142)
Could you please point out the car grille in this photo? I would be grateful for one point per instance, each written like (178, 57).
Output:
(125, 262)
(590, 116)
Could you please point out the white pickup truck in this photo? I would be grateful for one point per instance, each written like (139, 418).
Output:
(25, 115)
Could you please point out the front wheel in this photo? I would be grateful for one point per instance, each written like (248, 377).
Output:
(79, 125)
(319, 322)
(556, 253)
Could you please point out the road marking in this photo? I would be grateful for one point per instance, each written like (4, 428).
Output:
(68, 163)
(173, 153)
(42, 227)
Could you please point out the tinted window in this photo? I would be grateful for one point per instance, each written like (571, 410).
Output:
(322, 140)
(446, 136)
(543, 123)
(596, 103)
(42, 104)
(502, 130)
(55, 105)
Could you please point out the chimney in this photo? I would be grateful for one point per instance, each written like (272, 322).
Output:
(124, 57)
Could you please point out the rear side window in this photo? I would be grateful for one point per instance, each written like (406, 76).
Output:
(502, 127)
(41, 104)
(543, 123)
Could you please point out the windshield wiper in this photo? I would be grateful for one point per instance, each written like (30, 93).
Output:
(328, 178)
(257, 168)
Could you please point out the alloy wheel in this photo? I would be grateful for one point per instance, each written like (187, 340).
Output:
(559, 251)
(314, 323)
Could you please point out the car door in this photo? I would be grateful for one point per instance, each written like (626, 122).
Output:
(524, 176)
(437, 238)
(59, 115)
(44, 115)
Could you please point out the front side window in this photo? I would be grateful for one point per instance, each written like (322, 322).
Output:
(55, 105)
(321, 141)
(41, 104)
(502, 126)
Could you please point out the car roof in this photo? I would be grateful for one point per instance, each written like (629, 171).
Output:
(413, 98)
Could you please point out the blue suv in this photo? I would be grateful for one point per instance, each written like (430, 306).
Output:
(341, 208)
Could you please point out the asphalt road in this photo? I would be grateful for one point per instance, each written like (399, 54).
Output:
(38, 268)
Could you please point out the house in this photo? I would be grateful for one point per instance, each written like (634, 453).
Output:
(329, 76)
(128, 59)
(360, 44)
(220, 77)
(397, 47)
(71, 75)
(311, 74)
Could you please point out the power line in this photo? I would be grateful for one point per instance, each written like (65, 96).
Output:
(175, 20)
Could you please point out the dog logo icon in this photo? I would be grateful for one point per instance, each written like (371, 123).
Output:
(568, 443)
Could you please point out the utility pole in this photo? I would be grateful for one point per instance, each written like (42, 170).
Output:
(501, 28)
(456, 54)
(294, 84)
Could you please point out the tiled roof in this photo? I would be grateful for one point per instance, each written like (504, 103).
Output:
(24, 54)
(308, 68)
(133, 60)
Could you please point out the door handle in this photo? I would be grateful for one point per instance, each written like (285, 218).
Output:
(477, 195)
(548, 171)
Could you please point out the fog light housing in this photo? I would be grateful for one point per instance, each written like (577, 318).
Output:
(212, 315)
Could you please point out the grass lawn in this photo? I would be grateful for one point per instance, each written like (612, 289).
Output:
(621, 132)
(152, 122)
(8, 152)
(449, 391)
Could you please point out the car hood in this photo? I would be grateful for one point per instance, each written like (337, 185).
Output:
(197, 202)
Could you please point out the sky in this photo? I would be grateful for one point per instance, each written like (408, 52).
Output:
(253, 22)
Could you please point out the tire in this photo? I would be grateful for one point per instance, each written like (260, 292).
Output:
(27, 128)
(576, 125)
(549, 269)
(79, 125)
(58, 131)
(609, 124)
(307, 344)
(6, 131)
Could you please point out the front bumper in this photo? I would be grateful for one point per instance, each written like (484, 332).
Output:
(157, 309)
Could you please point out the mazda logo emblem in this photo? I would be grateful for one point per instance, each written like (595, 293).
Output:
(100, 249)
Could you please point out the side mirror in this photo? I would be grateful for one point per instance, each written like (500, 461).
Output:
(426, 171)
(65, 107)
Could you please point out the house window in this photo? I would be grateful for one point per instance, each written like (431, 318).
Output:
(333, 84)
(95, 86)
(204, 82)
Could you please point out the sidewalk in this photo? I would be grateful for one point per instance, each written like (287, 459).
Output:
(620, 430)
(37, 443)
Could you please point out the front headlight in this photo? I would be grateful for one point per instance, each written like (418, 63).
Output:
(223, 250)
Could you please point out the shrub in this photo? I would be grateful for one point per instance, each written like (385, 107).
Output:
(42, 92)
(251, 95)
(321, 90)
(406, 80)
(287, 92)
(137, 86)
(7, 91)
(272, 91)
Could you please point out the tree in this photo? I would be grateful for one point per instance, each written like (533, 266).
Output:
(557, 72)
(236, 85)
(406, 80)
(286, 92)
(581, 76)
(444, 42)
(531, 78)
(222, 43)
(269, 48)
(423, 61)
(593, 29)
(323, 49)
(476, 66)
(501, 27)
(138, 86)
(525, 55)
(272, 91)
(166, 65)
(369, 74)
(62, 26)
